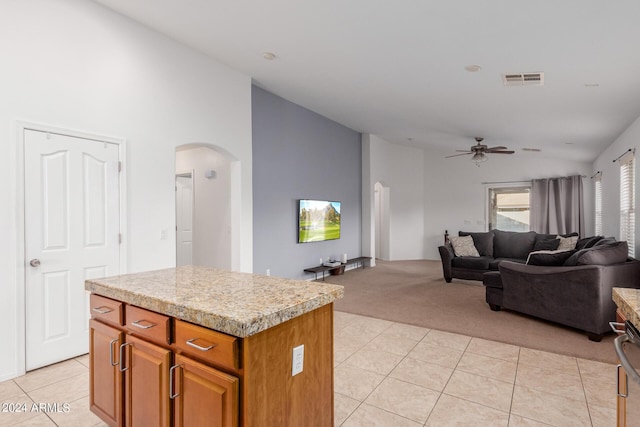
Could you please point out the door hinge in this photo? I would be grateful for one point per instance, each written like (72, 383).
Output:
(119, 238)
(119, 166)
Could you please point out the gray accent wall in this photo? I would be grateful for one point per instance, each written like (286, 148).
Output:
(299, 154)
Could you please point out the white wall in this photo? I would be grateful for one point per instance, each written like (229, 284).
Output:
(212, 205)
(73, 64)
(630, 138)
(401, 169)
(455, 196)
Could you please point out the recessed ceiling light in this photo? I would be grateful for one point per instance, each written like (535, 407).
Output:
(269, 56)
(473, 68)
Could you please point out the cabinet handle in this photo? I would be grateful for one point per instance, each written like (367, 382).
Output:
(194, 345)
(122, 367)
(138, 324)
(102, 310)
(114, 341)
(618, 328)
(626, 393)
(172, 385)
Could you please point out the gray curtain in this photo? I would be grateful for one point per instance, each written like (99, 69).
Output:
(557, 205)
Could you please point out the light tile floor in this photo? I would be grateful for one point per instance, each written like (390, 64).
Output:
(391, 375)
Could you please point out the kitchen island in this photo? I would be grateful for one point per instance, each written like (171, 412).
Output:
(199, 346)
(628, 392)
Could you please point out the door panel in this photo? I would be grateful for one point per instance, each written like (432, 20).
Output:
(184, 219)
(72, 229)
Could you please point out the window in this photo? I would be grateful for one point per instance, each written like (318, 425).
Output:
(509, 208)
(627, 200)
(598, 193)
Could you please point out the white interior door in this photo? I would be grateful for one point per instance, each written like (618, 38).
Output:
(72, 233)
(184, 219)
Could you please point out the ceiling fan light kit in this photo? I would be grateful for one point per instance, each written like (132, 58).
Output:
(480, 151)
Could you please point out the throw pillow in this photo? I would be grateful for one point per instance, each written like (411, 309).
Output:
(567, 243)
(588, 242)
(546, 245)
(549, 258)
(483, 241)
(463, 246)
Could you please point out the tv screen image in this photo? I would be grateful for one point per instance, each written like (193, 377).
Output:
(318, 220)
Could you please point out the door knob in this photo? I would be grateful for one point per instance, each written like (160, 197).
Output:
(34, 262)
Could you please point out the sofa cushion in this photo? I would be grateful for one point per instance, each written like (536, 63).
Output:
(495, 262)
(546, 245)
(557, 257)
(463, 246)
(588, 242)
(482, 241)
(492, 279)
(473, 263)
(513, 244)
(613, 253)
(605, 241)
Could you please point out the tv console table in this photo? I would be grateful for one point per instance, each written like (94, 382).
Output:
(360, 261)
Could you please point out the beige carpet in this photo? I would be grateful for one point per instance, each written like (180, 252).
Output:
(414, 292)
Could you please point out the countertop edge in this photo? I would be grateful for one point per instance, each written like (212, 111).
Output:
(225, 324)
(625, 306)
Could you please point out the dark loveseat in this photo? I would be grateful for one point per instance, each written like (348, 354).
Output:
(577, 295)
(493, 247)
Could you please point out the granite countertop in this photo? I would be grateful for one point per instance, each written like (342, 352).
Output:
(628, 301)
(239, 304)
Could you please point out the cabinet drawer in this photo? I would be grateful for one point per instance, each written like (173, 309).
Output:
(106, 309)
(148, 324)
(207, 345)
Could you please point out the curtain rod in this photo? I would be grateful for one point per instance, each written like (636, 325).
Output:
(528, 181)
(596, 174)
(505, 182)
(622, 155)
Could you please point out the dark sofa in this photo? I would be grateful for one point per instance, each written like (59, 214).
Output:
(576, 295)
(493, 247)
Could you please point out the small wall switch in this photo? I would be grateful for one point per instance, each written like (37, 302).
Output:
(298, 360)
(268, 272)
(163, 234)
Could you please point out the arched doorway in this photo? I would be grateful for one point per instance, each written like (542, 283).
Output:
(208, 237)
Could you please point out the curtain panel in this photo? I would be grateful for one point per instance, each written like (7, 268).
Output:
(557, 205)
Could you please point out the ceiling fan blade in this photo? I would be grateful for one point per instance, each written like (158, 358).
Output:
(464, 151)
(456, 155)
(501, 152)
(500, 147)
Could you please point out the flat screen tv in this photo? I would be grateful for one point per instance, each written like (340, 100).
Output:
(318, 220)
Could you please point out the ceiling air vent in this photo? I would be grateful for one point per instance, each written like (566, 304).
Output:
(537, 150)
(523, 79)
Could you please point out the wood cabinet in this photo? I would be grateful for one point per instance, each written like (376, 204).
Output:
(151, 369)
(146, 378)
(105, 379)
(204, 396)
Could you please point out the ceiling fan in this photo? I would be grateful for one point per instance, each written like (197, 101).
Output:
(480, 150)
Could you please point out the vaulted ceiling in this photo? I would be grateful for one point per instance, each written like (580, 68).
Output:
(397, 68)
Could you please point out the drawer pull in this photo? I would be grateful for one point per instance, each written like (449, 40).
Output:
(146, 325)
(194, 345)
(102, 310)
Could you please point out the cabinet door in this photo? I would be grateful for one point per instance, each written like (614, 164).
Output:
(147, 401)
(206, 396)
(105, 379)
